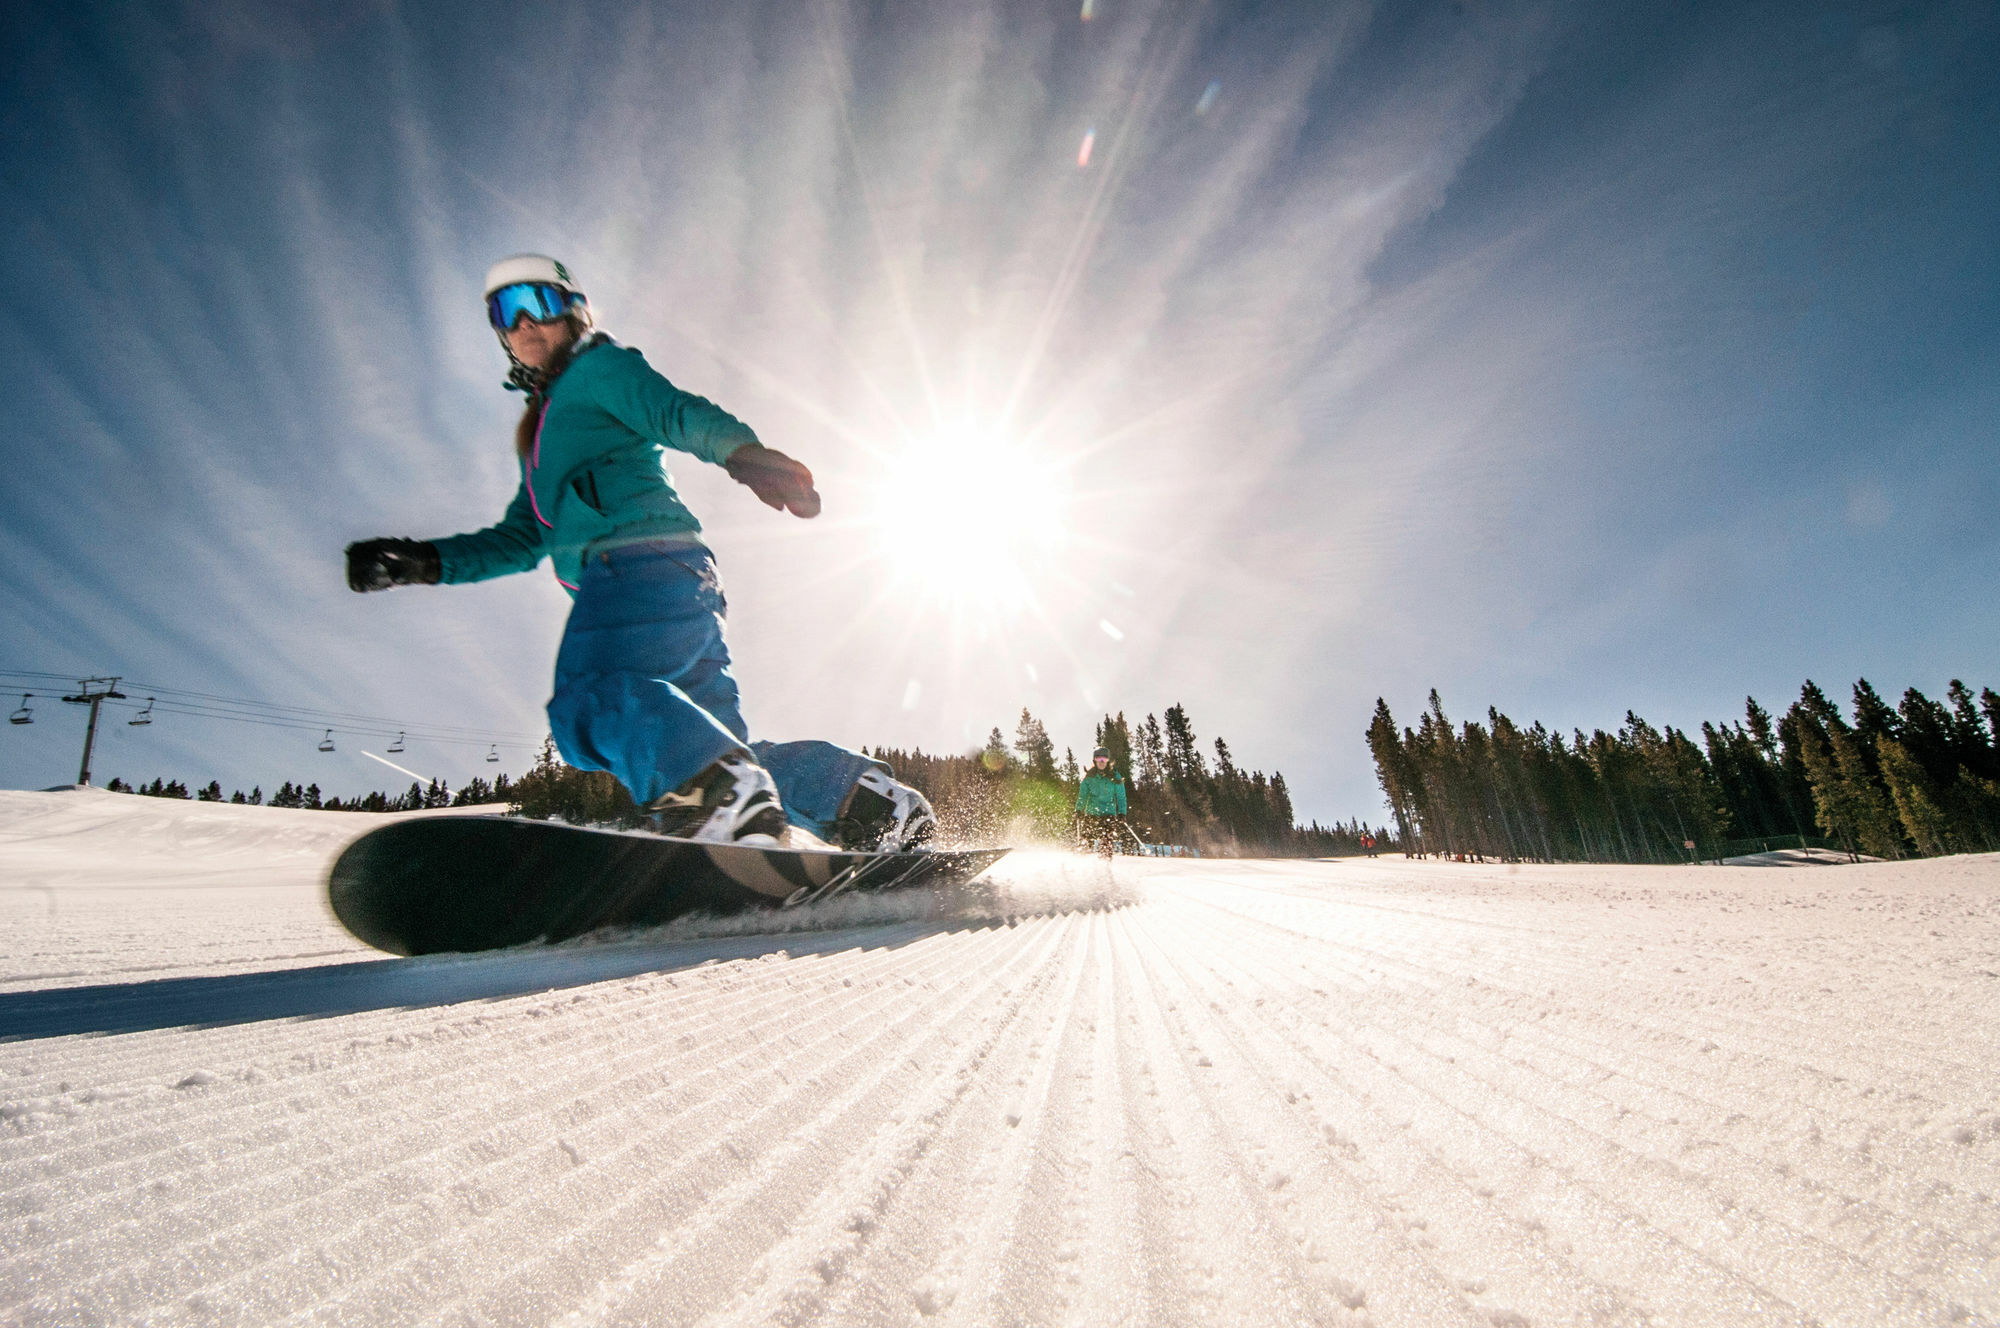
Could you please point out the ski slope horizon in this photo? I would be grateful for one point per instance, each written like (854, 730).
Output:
(1353, 1091)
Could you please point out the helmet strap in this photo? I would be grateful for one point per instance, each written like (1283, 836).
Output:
(537, 382)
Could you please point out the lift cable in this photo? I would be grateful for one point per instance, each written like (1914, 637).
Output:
(204, 705)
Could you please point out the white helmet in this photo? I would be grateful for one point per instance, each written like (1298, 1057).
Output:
(534, 270)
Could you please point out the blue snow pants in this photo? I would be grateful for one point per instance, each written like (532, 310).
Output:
(643, 687)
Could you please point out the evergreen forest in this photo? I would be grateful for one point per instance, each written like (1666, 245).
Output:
(475, 792)
(1010, 791)
(1917, 779)
(1005, 792)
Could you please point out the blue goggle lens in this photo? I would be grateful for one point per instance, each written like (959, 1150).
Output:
(539, 300)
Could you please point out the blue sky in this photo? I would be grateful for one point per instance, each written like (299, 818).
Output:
(1565, 360)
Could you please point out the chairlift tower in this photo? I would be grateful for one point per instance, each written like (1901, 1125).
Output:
(95, 700)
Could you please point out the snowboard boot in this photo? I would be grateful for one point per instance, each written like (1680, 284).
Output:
(733, 801)
(883, 816)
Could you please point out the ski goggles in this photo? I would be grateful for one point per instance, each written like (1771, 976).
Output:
(541, 301)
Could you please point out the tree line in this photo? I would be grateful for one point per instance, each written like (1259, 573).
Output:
(1917, 779)
(1005, 791)
(1017, 789)
(476, 792)
(1010, 791)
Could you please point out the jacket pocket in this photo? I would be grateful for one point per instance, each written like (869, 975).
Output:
(584, 486)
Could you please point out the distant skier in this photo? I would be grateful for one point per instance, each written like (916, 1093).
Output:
(642, 681)
(1100, 804)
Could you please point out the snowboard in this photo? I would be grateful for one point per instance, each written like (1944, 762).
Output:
(462, 883)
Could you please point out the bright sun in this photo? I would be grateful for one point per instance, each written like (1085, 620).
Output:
(973, 522)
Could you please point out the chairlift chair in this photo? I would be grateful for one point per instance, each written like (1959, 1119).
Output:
(326, 743)
(493, 752)
(397, 745)
(23, 715)
(144, 716)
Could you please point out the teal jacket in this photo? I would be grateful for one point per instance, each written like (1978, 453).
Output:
(1101, 795)
(597, 475)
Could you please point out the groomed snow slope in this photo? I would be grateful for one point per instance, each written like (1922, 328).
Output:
(1208, 1092)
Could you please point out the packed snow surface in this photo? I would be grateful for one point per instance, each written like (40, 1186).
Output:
(1344, 1092)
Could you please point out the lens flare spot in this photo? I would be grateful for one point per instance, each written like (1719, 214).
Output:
(913, 692)
(1208, 96)
(1110, 629)
(1089, 142)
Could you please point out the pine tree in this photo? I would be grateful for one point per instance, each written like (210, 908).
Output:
(1916, 799)
(1152, 756)
(1445, 804)
(1975, 809)
(1227, 801)
(1851, 805)
(212, 792)
(1758, 720)
(1185, 768)
(1517, 800)
(1115, 736)
(1281, 806)
(1793, 778)
(1970, 741)
(554, 790)
(1927, 733)
(1394, 772)
(1873, 719)
(1037, 751)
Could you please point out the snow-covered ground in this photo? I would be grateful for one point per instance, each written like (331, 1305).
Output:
(1185, 1092)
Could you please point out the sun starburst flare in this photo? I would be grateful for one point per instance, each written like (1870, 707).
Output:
(971, 521)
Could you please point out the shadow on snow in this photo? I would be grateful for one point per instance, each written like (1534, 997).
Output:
(384, 984)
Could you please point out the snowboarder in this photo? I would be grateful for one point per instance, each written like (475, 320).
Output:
(642, 681)
(1100, 804)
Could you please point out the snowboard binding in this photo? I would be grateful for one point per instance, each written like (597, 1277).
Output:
(882, 815)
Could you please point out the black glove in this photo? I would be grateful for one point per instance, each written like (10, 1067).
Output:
(775, 478)
(378, 564)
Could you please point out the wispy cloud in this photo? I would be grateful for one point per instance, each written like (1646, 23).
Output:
(1381, 346)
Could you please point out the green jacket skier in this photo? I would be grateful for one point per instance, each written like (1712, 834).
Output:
(1102, 792)
(1100, 805)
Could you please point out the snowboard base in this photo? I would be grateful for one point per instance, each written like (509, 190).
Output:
(463, 883)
